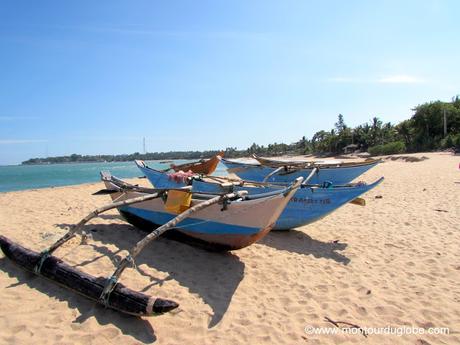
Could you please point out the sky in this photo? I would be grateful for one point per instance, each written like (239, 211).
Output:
(96, 77)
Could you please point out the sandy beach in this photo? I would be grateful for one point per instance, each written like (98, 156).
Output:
(394, 262)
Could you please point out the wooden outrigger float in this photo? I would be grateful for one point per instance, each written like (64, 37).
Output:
(108, 291)
(120, 298)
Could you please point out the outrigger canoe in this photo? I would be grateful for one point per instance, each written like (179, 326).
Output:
(310, 202)
(335, 173)
(233, 225)
(205, 167)
(222, 221)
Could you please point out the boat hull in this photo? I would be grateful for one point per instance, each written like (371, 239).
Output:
(206, 167)
(309, 203)
(235, 226)
(336, 175)
(204, 241)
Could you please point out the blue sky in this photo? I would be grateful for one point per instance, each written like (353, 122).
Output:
(95, 77)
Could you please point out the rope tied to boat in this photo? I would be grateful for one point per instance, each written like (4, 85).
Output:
(225, 203)
(130, 261)
(45, 254)
(112, 281)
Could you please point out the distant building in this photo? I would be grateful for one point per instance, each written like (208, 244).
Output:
(350, 148)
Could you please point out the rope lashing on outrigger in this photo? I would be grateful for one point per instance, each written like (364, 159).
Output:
(45, 254)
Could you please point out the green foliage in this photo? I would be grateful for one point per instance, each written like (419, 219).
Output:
(428, 125)
(387, 149)
(450, 141)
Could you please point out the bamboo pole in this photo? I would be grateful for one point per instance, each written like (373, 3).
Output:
(272, 173)
(315, 170)
(71, 233)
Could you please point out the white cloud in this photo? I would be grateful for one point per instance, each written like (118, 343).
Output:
(400, 79)
(21, 141)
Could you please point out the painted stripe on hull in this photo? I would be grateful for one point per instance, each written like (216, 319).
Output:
(213, 235)
(192, 224)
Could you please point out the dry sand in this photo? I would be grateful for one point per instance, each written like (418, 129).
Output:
(395, 262)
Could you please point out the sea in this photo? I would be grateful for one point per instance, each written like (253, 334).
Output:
(22, 177)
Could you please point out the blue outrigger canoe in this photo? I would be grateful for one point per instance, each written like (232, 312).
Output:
(341, 173)
(309, 203)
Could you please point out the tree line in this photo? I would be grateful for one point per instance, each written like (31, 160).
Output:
(426, 130)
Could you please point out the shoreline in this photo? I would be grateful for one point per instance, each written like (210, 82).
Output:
(387, 157)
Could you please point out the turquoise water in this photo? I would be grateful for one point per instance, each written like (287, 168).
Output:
(20, 177)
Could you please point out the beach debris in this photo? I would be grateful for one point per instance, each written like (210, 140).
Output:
(368, 292)
(358, 201)
(86, 237)
(378, 196)
(46, 235)
(352, 325)
(440, 210)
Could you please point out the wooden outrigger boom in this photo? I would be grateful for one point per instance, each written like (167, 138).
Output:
(107, 291)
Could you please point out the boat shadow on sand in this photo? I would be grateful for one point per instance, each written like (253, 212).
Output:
(212, 276)
(296, 241)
